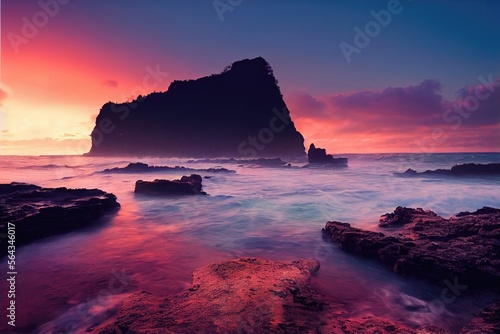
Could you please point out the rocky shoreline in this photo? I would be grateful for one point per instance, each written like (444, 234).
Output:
(252, 295)
(40, 212)
(464, 248)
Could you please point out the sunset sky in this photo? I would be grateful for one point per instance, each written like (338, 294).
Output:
(427, 80)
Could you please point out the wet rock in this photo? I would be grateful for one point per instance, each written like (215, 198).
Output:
(139, 167)
(246, 295)
(213, 116)
(470, 169)
(463, 250)
(488, 321)
(39, 212)
(187, 185)
(402, 216)
(13, 187)
(484, 210)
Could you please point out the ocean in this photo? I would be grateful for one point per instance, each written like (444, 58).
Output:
(68, 282)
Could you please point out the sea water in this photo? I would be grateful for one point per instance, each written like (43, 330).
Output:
(69, 282)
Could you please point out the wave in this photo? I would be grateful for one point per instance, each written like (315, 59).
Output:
(84, 315)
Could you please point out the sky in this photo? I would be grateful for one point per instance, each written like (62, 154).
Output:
(357, 76)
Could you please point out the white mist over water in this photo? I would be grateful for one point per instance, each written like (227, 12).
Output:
(274, 213)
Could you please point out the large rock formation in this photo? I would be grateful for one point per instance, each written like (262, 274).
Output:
(238, 113)
(38, 212)
(463, 250)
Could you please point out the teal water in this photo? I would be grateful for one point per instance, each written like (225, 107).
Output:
(67, 283)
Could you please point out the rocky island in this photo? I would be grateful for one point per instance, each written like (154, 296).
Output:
(237, 113)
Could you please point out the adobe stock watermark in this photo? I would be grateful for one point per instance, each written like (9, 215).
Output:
(458, 111)
(32, 25)
(265, 136)
(151, 80)
(363, 38)
(454, 117)
(448, 295)
(223, 6)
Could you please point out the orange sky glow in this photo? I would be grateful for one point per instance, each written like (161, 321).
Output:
(53, 86)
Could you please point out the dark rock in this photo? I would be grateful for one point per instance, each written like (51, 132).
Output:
(476, 169)
(40, 212)
(139, 167)
(464, 248)
(215, 116)
(350, 239)
(318, 156)
(187, 185)
(402, 216)
(410, 171)
(13, 187)
(488, 322)
(246, 295)
(485, 210)
(260, 162)
(470, 169)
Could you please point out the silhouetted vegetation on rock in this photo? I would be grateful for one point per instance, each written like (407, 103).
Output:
(238, 113)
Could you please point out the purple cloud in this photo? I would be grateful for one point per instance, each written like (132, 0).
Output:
(307, 105)
(477, 105)
(398, 118)
(421, 102)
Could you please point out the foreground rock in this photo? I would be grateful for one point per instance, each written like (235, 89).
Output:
(39, 212)
(245, 295)
(231, 114)
(463, 250)
(488, 322)
(470, 169)
(318, 156)
(187, 185)
(139, 167)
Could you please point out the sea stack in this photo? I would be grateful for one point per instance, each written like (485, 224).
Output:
(318, 156)
(237, 113)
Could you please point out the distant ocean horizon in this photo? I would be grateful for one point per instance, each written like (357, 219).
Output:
(223, 157)
(273, 213)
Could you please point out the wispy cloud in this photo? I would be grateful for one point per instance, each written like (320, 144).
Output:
(110, 83)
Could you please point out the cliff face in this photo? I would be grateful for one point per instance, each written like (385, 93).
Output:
(238, 113)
